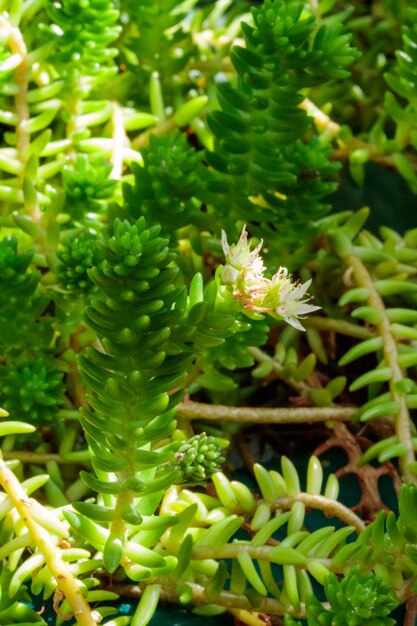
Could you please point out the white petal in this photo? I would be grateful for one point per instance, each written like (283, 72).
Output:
(243, 235)
(294, 322)
(303, 308)
(280, 276)
(229, 275)
(225, 245)
(300, 289)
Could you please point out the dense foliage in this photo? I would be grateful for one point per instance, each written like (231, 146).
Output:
(181, 297)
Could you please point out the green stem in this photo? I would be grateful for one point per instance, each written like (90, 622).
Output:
(342, 153)
(66, 583)
(73, 105)
(256, 415)
(124, 499)
(262, 357)
(402, 418)
(17, 46)
(68, 414)
(41, 458)
(332, 508)
(119, 137)
(270, 606)
(142, 140)
(342, 327)
(322, 121)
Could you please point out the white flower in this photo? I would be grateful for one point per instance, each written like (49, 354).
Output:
(290, 304)
(229, 275)
(279, 297)
(240, 257)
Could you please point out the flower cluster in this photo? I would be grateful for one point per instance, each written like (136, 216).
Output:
(199, 457)
(279, 296)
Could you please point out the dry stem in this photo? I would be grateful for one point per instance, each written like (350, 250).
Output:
(402, 418)
(17, 46)
(66, 582)
(256, 415)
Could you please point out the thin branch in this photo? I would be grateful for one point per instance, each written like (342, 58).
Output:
(322, 121)
(66, 582)
(271, 606)
(332, 508)
(256, 415)
(342, 327)
(41, 458)
(17, 46)
(402, 418)
(261, 357)
(410, 612)
(345, 149)
(248, 617)
(119, 137)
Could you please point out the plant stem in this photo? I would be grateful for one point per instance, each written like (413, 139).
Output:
(73, 105)
(332, 508)
(410, 612)
(17, 46)
(338, 326)
(118, 137)
(247, 617)
(227, 599)
(142, 140)
(261, 357)
(198, 410)
(124, 499)
(66, 582)
(322, 121)
(40, 458)
(402, 418)
(343, 152)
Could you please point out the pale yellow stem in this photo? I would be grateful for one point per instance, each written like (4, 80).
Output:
(66, 583)
(142, 140)
(332, 508)
(39, 458)
(17, 46)
(119, 137)
(256, 415)
(262, 357)
(270, 606)
(247, 617)
(341, 327)
(322, 121)
(402, 418)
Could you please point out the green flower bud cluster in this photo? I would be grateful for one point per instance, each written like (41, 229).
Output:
(78, 255)
(199, 458)
(359, 599)
(86, 184)
(167, 183)
(31, 391)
